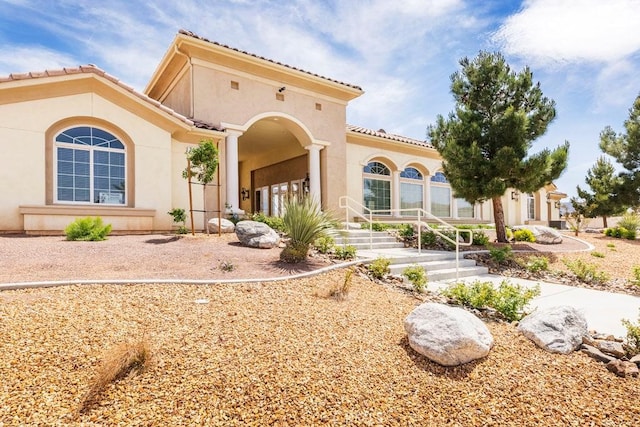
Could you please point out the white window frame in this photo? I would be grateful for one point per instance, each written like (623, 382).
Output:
(108, 197)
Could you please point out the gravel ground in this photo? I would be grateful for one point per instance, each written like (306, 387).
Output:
(278, 353)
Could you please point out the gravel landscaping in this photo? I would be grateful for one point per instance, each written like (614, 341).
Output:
(277, 353)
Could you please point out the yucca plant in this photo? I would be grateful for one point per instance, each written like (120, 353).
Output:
(304, 222)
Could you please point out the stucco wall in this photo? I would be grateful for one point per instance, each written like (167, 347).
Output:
(217, 102)
(23, 127)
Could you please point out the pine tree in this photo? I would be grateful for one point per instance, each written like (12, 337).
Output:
(625, 148)
(485, 142)
(603, 183)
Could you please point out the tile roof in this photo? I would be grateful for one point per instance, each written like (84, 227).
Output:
(382, 134)
(191, 34)
(90, 68)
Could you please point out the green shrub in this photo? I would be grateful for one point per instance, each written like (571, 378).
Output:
(536, 264)
(406, 231)
(275, 222)
(500, 254)
(88, 228)
(629, 221)
(179, 216)
(508, 299)
(611, 246)
(480, 238)
(417, 276)
(630, 235)
(345, 252)
(324, 244)
(379, 226)
(608, 232)
(586, 272)
(636, 274)
(632, 341)
(304, 222)
(428, 239)
(597, 254)
(379, 267)
(524, 235)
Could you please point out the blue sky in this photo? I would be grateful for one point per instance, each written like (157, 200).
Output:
(585, 53)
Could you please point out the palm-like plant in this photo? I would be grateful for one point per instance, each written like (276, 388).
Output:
(304, 222)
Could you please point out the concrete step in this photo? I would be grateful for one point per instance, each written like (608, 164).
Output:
(374, 240)
(450, 273)
(432, 266)
(376, 245)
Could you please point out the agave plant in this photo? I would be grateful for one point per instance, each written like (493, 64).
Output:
(304, 222)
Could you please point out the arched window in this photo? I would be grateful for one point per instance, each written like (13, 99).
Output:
(90, 167)
(440, 195)
(411, 190)
(376, 190)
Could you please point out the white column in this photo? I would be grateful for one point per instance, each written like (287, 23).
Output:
(233, 186)
(314, 171)
(454, 206)
(395, 193)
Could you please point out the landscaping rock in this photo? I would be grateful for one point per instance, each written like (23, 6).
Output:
(556, 329)
(225, 226)
(635, 359)
(257, 235)
(447, 335)
(623, 369)
(596, 354)
(611, 347)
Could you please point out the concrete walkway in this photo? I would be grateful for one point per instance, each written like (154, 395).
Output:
(603, 310)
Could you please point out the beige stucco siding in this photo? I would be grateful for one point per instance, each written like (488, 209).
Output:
(23, 135)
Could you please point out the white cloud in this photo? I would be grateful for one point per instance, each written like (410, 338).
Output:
(23, 59)
(566, 31)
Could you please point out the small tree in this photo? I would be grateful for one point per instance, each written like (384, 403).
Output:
(602, 182)
(625, 148)
(486, 140)
(202, 163)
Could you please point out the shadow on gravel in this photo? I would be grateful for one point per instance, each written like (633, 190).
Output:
(163, 241)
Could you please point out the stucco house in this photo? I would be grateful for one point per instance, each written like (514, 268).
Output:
(78, 142)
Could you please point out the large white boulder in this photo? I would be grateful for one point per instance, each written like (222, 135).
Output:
(225, 226)
(257, 235)
(556, 329)
(447, 335)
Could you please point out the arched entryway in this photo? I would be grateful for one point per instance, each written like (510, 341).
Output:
(277, 157)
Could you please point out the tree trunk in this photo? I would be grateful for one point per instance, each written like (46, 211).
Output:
(604, 221)
(498, 218)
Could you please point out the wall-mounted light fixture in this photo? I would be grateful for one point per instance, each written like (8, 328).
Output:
(245, 193)
(515, 195)
(557, 204)
(305, 184)
(282, 89)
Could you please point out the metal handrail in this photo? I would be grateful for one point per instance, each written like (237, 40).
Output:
(347, 203)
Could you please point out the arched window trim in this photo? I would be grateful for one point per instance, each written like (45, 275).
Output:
(411, 179)
(411, 173)
(112, 163)
(439, 180)
(377, 168)
(377, 174)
